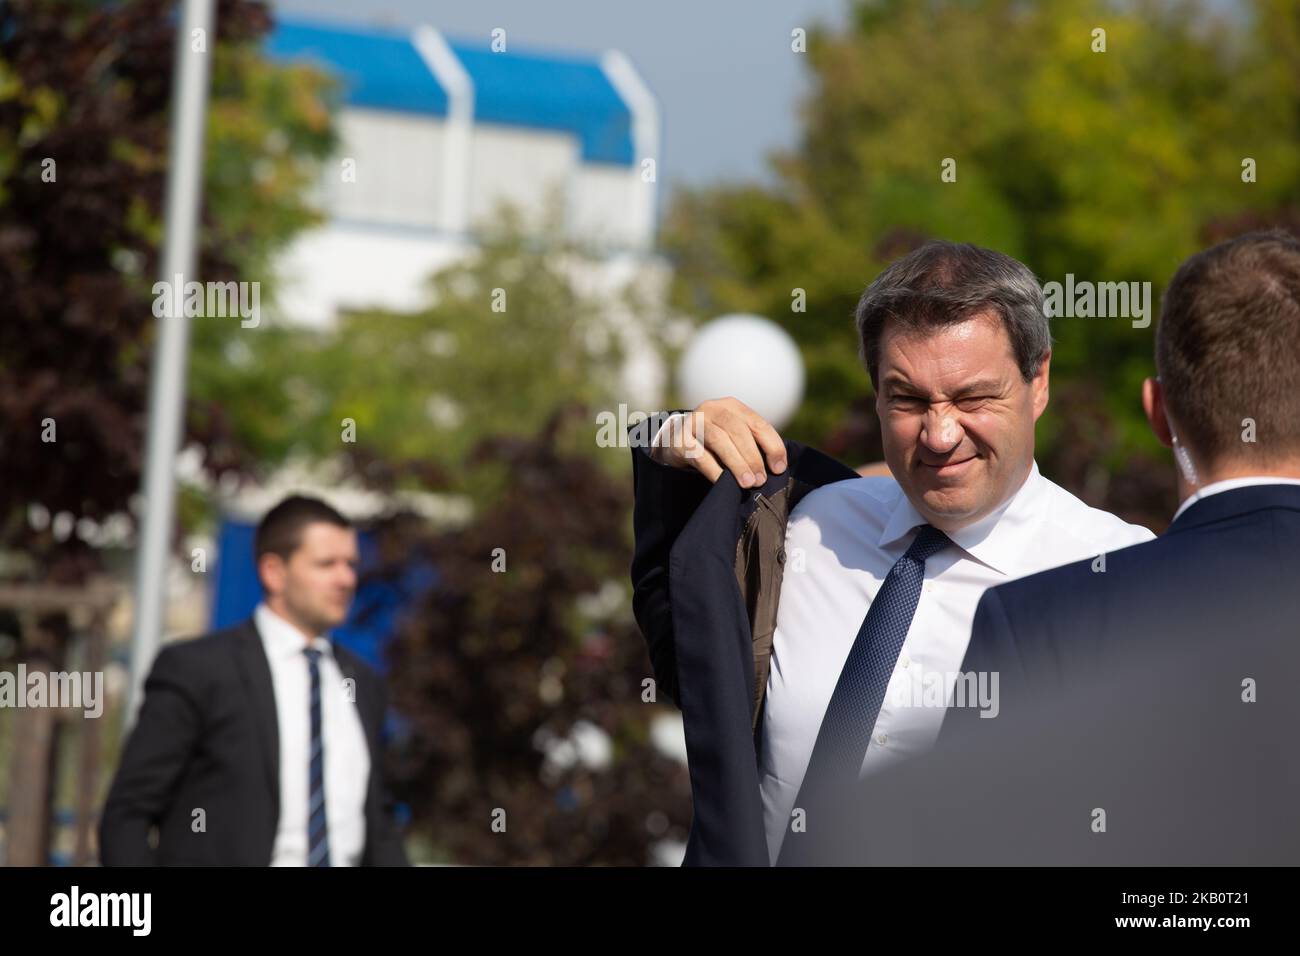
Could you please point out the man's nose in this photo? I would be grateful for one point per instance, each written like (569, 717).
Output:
(941, 432)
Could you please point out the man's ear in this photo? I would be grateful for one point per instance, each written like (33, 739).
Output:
(1039, 386)
(271, 572)
(1153, 403)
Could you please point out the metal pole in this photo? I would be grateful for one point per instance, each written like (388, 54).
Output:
(194, 44)
(93, 642)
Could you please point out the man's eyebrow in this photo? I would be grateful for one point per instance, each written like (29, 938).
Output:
(897, 381)
(983, 386)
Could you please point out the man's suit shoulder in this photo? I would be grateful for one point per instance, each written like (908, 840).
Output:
(200, 651)
(1086, 574)
(195, 667)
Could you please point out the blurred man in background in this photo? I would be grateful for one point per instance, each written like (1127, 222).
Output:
(261, 744)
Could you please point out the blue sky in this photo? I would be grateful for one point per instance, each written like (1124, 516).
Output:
(727, 82)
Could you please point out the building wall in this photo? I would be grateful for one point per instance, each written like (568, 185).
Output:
(398, 162)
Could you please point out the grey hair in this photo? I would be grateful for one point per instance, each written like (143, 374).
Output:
(942, 283)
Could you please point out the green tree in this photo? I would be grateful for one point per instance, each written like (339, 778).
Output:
(1109, 165)
(85, 90)
(507, 339)
(84, 104)
(525, 635)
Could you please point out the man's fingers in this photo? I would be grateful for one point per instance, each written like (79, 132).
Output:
(769, 441)
(707, 466)
(738, 439)
(725, 443)
(693, 452)
(742, 436)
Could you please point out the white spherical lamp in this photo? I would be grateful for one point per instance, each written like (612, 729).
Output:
(746, 357)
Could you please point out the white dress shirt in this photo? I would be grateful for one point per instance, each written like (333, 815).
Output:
(1228, 484)
(841, 541)
(347, 755)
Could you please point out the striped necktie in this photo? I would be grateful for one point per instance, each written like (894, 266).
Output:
(318, 839)
(859, 693)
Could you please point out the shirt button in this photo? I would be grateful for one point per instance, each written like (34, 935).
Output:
(929, 586)
(881, 738)
(905, 660)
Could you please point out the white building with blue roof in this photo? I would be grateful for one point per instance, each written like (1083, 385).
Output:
(440, 132)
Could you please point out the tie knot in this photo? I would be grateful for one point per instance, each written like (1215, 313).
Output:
(313, 655)
(929, 541)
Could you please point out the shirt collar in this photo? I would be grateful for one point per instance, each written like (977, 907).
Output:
(282, 639)
(1001, 539)
(1228, 484)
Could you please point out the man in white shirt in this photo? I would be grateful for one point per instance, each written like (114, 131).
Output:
(956, 342)
(346, 771)
(262, 744)
(1148, 705)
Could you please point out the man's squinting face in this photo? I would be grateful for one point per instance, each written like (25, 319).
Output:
(957, 418)
(314, 588)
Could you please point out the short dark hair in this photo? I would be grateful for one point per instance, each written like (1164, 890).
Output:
(1228, 348)
(280, 530)
(943, 283)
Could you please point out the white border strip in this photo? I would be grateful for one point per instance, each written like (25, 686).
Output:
(643, 106)
(452, 76)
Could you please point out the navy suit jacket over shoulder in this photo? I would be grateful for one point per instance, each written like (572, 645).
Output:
(1228, 566)
(689, 604)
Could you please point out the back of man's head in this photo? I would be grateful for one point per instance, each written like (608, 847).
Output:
(1228, 351)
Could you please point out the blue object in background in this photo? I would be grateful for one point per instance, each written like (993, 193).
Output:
(381, 68)
(372, 623)
(378, 68)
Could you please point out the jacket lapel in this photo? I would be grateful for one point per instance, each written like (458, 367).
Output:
(256, 674)
(715, 684)
(348, 667)
(715, 664)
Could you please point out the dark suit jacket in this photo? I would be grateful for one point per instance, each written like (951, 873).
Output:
(1229, 565)
(1121, 692)
(1158, 763)
(207, 736)
(695, 614)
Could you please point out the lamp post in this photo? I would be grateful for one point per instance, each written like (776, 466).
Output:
(194, 40)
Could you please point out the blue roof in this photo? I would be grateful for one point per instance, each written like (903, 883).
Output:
(381, 69)
(378, 70)
(552, 93)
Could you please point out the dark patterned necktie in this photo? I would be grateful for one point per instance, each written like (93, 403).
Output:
(318, 838)
(859, 693)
